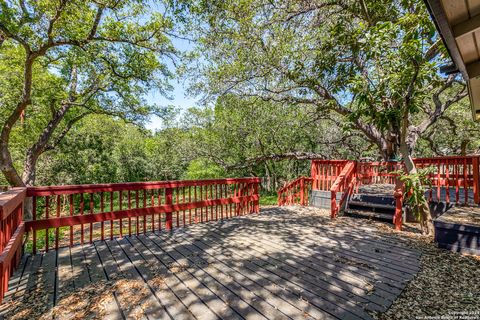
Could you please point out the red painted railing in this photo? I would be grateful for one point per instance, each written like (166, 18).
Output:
(325, 172)
(12, 229)
(455, 179)
(377, 172)
(66, 215)
(344, 183)
(453, 174)
(296, 192)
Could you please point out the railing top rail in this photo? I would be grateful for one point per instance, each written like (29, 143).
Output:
(448, 158)
(110, 187)
(295, 181)
(10, 200)
(376, 163)
(434, 159)
(329, 161)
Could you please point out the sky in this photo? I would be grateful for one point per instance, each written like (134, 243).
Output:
(180, 99)
(179, 93)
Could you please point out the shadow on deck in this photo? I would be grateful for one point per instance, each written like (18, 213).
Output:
(284, 263)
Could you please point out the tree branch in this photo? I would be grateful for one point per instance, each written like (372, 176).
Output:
(296, 155)
(64, 132)
(439, 106)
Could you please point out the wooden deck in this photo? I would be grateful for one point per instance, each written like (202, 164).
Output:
(284, 263)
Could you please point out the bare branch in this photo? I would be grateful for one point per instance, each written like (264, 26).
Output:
(296, 155)
(51, 23)
(439, 106)
(96, 22)
(64, 132)
(8, 34)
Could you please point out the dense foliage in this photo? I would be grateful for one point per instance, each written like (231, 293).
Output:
(65, 60)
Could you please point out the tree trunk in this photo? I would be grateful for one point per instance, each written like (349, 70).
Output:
(426, 219)
(6, 162)
(28, 177)
(268, 178)
(463, 147)
(389, 150)
(30, 168)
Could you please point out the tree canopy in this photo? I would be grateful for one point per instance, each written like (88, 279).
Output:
(91, 57)
(370, 62)
(281, 82)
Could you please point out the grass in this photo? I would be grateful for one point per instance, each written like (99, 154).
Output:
(268, 199)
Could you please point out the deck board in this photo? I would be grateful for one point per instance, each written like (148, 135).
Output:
(258, 295)
(325, 299)
(147, 304)
(18, 281)
(65, 283)
(242, 299)
(201, 289)
(97, 273)
(188, 297)
(306, 245)
(81, 278)
(173, 306)
(282, 264)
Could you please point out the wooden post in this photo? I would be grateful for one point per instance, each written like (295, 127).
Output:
(398, 194)
(257, 202)
(302, 190)
(34, 232)
(333, 205)
(313, 173)
(47, 209)
(447, 181)
(168, 215)
(476, 195)
(239, 193)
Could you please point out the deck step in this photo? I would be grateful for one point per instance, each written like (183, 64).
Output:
(361, 197)
(369, 214)
(370, 204)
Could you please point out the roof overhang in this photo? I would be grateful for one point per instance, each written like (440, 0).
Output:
(458, 22)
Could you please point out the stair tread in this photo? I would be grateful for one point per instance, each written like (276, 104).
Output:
(371, 204)
(374, 196)
(370, 214)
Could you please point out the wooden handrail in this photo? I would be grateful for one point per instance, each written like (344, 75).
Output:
(344, 182)
(113, 187)
(295, 192)
(10, 200)
(12, 231)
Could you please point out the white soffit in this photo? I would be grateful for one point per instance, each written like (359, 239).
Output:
(458, 22)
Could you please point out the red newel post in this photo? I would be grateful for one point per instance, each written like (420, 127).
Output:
(475, 172)
(34, 232)
(302, 191)
(398, 194)
(168, 201)
(240, 203)
(257, 202)
(333, 205)
(313, 173)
